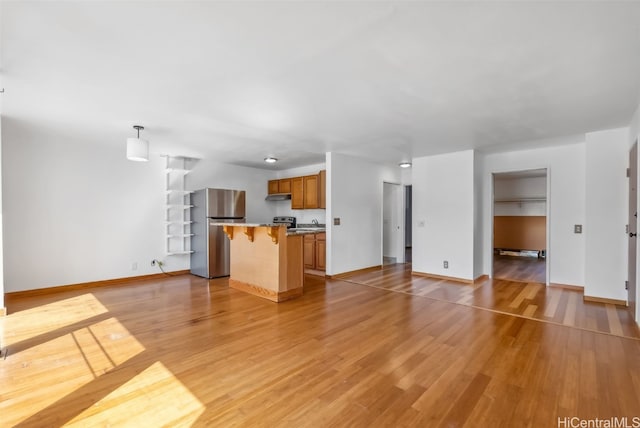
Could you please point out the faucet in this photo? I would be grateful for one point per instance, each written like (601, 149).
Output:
(314, 221)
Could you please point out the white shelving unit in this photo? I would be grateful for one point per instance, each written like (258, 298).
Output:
(178, 207)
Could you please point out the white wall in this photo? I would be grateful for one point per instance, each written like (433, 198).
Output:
(253, 181)
(77, 212)
(1, 221)
(443, 214)
(566, 164)
(634, 133)
(354, 192)
(283, 208)
(607, 196)
(478, 224)
(634, 127)
(1, 239)
(520, 187)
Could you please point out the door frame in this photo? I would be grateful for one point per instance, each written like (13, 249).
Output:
(633, 264)
(492, 198)
(399, 208)
(408, 216)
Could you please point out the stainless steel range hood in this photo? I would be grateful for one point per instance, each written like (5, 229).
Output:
(278, 197)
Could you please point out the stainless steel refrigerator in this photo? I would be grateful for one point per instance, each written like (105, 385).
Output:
(210, 245)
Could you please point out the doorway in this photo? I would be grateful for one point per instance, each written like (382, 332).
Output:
(520, 225)
(633, 229)
(392, 224)
(408, 222)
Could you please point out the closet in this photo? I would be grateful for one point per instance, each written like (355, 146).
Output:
(520, 225)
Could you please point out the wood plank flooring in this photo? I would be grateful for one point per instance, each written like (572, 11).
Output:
(528, 269)
(184, 351)
(528, 300)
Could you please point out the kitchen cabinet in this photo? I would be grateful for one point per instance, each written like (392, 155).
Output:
(309, 251)
(284, 185)
(297, 193)
(307, 192)
(314, 250)
(274, 187)
(311, 193)
(279, 186)
(323, 189)
(321, 251)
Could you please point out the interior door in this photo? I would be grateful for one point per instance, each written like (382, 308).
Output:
(392, 216)
(633, 226)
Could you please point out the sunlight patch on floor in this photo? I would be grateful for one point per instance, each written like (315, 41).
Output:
(67, 363)
(27, 324)
(155, 397)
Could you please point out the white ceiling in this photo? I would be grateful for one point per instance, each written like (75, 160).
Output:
(388, 81)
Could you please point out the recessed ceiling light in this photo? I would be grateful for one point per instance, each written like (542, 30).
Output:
(404, 164)
(270, 160)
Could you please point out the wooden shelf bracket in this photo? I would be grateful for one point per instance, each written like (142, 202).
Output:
(249, 232)
(229, 231)
(273, 232)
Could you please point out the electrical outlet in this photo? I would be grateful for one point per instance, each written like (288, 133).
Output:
(153, 262)
(577, 228)
(134, 266)
(336, 221)
(445, 264)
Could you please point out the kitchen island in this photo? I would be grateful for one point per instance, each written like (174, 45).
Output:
(265, 260)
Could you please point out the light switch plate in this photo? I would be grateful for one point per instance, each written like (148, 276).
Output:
(577, 228)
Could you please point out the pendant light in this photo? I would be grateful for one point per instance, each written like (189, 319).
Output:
(137, 149)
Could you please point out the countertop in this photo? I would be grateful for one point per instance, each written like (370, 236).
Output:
(222, 223)
(307, 231)
(290, 232)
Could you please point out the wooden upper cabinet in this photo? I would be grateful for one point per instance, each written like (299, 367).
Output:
(284, 185)
(297, 193)
(323, 189)
(311, 191)
(307, 192)
(274, 187)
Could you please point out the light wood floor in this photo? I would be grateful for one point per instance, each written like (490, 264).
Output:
(184, 351)
(528, 300)
(529, 269)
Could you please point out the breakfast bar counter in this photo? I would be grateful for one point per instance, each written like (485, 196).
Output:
(265, 260)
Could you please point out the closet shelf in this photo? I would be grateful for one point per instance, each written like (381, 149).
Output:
(520, 200)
